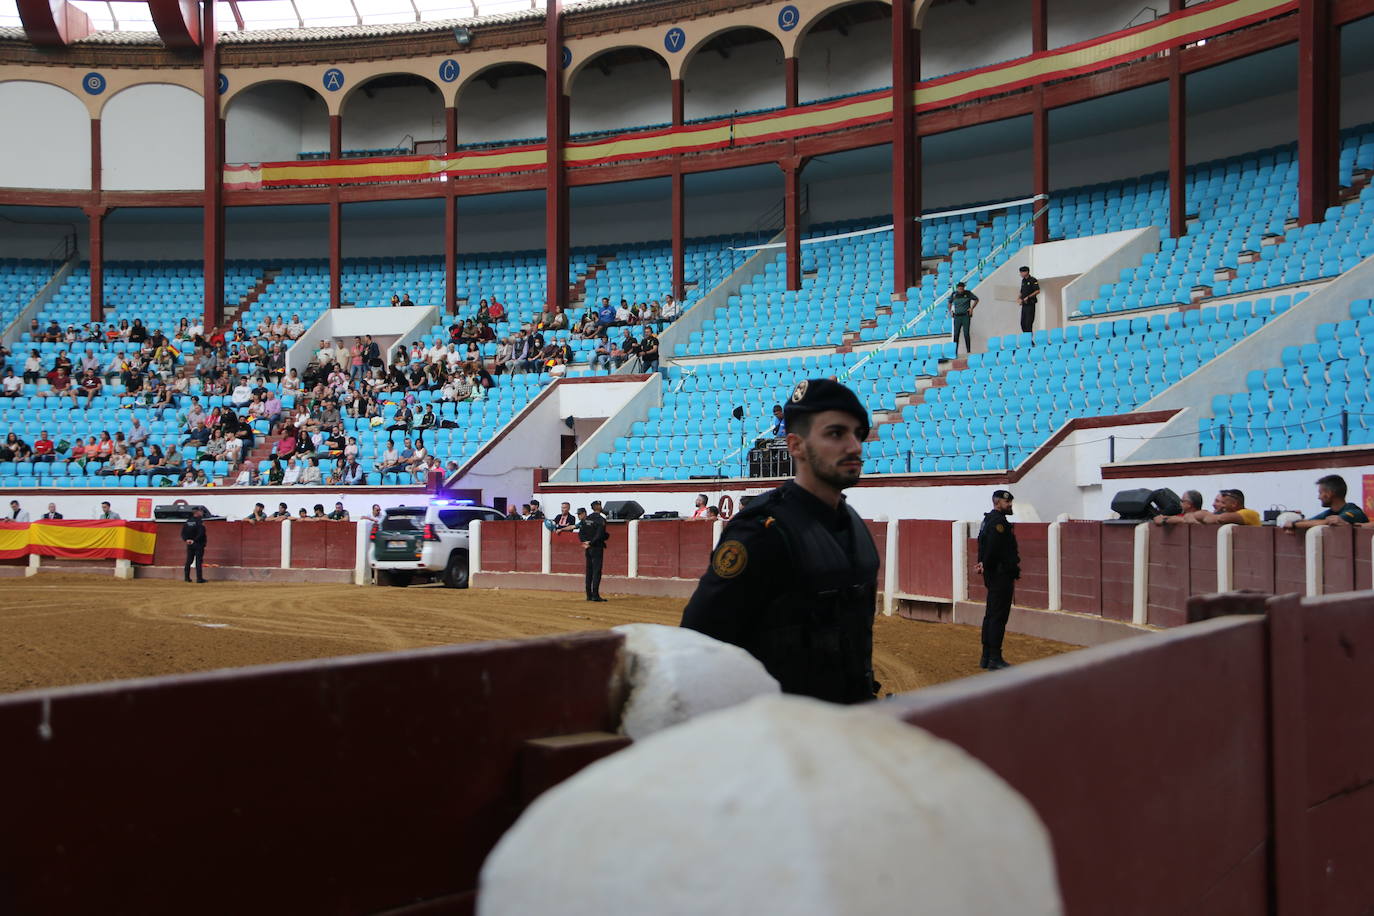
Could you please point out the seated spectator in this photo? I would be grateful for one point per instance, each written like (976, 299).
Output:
(601, 356)
(310, 474)
(700, 505)
(671, 309)
(140, 463)
(1229, 509)
(291, 474)
(353, 475)
(1331, 492)
(648, 353)
(11, 449)
(105, 447)
(275, 473)
(605, 313)
(247, 476)
(496, 311)
(213, 449)
(12, 386)
(44, 449)
(1191, 501)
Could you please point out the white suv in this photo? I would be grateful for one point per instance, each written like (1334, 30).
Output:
(426, 542)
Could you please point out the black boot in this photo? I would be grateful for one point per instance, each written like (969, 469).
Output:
(984, 662)
(998, 663)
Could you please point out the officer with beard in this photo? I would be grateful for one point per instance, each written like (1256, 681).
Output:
(794, 578)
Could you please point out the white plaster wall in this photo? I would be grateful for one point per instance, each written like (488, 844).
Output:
(47, 140)
(513, 110)
(632, 95)
(267, 123)
(752, 77)
(833, 64)
(406, 324)
(151, 140)
(391, 117)
(1069, 21)
(961, 36)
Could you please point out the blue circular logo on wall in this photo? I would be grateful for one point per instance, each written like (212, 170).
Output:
(788, 17)
(222, 83)
(449, 70)
(333, 79)
(93, 83)
(675, 40)
(567, 56)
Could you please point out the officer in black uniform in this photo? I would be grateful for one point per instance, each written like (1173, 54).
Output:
(193, 533)
(794, 578)
(999, 562)
(1030, 295)
(592, 533)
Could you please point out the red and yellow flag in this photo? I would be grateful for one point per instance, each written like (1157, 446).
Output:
(87, 539)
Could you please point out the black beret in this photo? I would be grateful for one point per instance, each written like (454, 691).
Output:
(815, 395)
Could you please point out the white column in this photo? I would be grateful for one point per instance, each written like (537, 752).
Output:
(717, 529)
(124, 569)
(361, 543)
(35, 563)
(1140, 575)
(286, 544)
(474, 549)
(632, 545)
(1312, 549)
(1226, 557)
(890, 569)
(545, 550)
(1056, 567)
(959, 534)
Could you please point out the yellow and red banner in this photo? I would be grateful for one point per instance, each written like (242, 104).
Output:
(93, 539)
(1194, 24)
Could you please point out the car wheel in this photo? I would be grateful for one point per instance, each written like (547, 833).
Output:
(456, 572)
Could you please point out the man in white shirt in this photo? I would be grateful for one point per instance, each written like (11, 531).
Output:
(670, 309)
(622, 313)
(241, 394)
(292, 475)
(13, 385)
(138, 434)
(436, 353)
(295, 327)
(341, 355)
(17, 514)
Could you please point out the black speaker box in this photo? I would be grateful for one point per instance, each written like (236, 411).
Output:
(1166, 502)
(177, 513)
(1132, 503)
(623, 510)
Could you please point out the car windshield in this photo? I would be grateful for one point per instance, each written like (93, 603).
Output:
(403, 520)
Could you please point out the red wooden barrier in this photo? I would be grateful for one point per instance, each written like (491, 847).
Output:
(498, 545)
(1290, 561)
(223, 544)
(1364, 562)
(1338, 560)
(529, 546)
(658, 547)
(169, 549)
(616, 561)
(926, 558)
(435, 740)
(976, 590)
(1118, 564)
(309, 545)
(1080, 578)
(1252, 559)
(1032, 541)
(878, 531)
(340, 545)
(566, 554)
(261, 544)
(1169, 586)
(694, 549)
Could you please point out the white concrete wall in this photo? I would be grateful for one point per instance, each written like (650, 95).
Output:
(268, 123)
(151, 140)
(752, 77)
(514, 110)
(632, 95)
(833, 64)
(635, 399)
(47, 139)
(407, 324)
(391, 117)
(1130, 251)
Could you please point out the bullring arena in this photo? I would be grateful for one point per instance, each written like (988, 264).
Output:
(379, 286)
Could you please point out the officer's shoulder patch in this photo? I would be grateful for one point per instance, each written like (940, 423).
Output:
(1001, 528)
(730, 559)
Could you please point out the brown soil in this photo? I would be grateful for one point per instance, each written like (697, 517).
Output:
(59, 629)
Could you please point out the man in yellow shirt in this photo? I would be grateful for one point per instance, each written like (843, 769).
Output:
(1229, 509)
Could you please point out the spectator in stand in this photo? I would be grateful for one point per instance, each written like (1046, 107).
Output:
(601, 356)
(140, 463)
(283, 514)
(340, 514)
(712, 514)
(1191, 502)
(310, 475)
(496, 311)
(117, 464)
(12, 386)
(275, 473)
(1229, 509)
(648, 352)
(623, 314)
(353, 475)
(536, 513)
(88, 388)
(33, 368)
(605, 313)
(291, 474)
(1331, 491)
(52, 512)
(17, 513)
(564, 520)
(43, 448)
(138, 433)
(59, 385)
(247, 476)
(671, 309)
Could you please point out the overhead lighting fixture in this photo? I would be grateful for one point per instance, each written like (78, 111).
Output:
(461, 36)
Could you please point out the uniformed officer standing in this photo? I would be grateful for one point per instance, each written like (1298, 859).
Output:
(592, 533)
(794, 578)
(1029, 296)
(1000, 564)
(193, 533)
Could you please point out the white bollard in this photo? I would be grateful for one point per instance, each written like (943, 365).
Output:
(1226, 567)
(124, 569)
(959, 558)
(632, 546)
(1055, 556)
(360, 554)
(35, 564)
(1140, 575)
(780, 805)
(545, 550)
(286, 544)
(892, 566)
(1312, 556)
(474, 549)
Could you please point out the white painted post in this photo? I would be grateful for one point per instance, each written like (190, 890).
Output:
(1056, 567)
(1312, 549)
(124, 569)
(959, 560)
(1140, 576)
(546, 550)
(474, 549)
(35, 564)
(286, 544)
(890, 569)
(361, 542)
(1226, 558)
(717, 529)
(632, 547)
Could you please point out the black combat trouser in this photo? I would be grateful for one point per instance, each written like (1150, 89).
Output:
(962, 323)
(195, 553)
(595, 555)
(1000, 586)
(1028, 316)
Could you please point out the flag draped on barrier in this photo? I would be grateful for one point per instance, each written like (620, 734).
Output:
(94, 539)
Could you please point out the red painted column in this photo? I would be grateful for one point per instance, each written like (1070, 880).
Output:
(450, 218)
(1040, 122)
(335, 218)
(791, 171)
(906, 179)
(213, 199)
(1178, 139)
(790, 69)
(96, 235)
(1316, 152)
(556, 179)
(679, 194)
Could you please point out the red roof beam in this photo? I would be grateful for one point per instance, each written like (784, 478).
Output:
(178, 22)
(53, 23)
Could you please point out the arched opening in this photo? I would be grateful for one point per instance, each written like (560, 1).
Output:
(56, 119)
(621, 88)
(274, 122)
(848, 50)
(737, 71)
(502, 104)
(392, 115)
(959, 36)
(151, 139)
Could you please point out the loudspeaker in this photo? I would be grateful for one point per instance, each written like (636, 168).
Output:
(177, 513)
(624, 510)
(1132, 504)
(1166, 502)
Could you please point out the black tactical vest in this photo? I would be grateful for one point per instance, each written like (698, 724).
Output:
(816, 635)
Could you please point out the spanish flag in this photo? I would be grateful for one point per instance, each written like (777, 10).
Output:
(94, 539)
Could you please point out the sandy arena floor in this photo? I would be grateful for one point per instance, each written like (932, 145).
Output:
(58, 629)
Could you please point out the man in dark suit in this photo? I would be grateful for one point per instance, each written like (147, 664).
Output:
(593, 535)
(193, 533)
